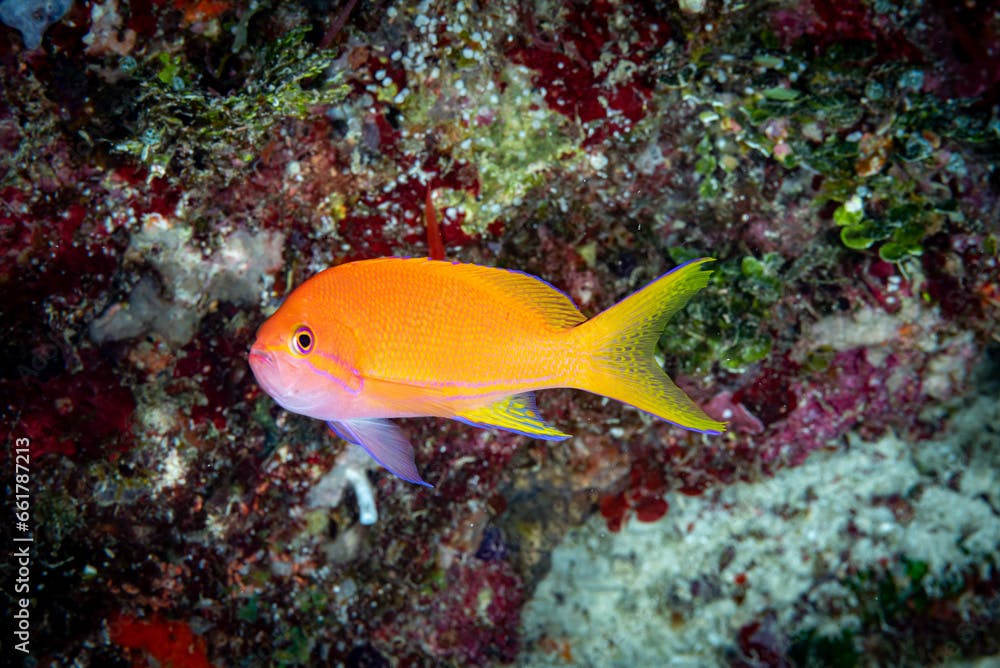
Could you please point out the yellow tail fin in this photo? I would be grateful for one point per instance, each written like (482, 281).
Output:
(623, 340)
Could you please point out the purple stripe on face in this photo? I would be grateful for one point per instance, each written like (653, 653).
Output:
(336, 359)
(339, 381)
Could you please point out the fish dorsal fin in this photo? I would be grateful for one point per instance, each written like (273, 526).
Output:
(515, 413)
(385, 442)
(533, 293)
(527, 291)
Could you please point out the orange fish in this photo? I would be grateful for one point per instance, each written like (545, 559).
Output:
(366, 341)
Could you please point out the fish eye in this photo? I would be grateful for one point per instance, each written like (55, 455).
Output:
(302, 340)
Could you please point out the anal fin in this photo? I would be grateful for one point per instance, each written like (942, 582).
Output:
(515, 413)
(385, 442)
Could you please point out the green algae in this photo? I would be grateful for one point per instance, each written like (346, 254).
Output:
(295, 648)
(515, 146)
(880, 140)
(812, 648)
(894, 206)
(182, 121)
(900, 597)
(727, 323)
(249, 611)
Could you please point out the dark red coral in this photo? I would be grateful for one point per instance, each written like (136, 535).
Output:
(771, 396)
(821, 24)
(216, 360)
(613, 509)
(962, 277)
(960, 40)
(762, 643)
(643, 495)
(404, 202)
(478, 617)
(51, 249)
(971, 33)
(565, 64)
(86, 413)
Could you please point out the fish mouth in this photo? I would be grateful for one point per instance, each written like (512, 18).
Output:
(279, 382)
(265, 368)
(259, 356)
(293, 388)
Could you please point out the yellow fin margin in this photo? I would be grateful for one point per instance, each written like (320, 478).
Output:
(514, 413)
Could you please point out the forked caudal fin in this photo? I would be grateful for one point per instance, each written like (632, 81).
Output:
(623, 341)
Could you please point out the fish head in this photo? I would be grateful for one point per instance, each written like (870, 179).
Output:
(303, 361)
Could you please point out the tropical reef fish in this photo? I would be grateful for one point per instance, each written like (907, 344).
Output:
(366, 341)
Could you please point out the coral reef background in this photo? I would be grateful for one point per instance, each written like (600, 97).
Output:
(170, 169)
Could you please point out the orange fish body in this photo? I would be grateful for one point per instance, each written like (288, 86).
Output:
(376, 339)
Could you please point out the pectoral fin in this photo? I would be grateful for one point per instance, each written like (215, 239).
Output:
(385, 442)
(514, 413)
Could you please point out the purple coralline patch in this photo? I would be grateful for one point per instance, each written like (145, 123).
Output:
(784, 415)
(852, 392)
(475, 618)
